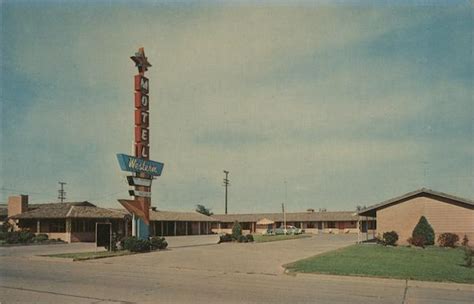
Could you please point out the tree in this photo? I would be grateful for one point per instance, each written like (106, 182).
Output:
(423, 229)
(236, 230)
(203, 210)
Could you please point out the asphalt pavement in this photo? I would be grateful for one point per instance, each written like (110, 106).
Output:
(195, 270)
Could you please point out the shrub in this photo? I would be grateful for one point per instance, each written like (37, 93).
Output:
(40, 238)
(26, 236)
(158, 243)
(19, 237)
(465, 241)
(3, 235)
(6, 227)
(424, 229)
(448, 240)
(389, 238)
(468, 255)
(225, 238)
(112, 246)
(249, 237)
(135, 245)
(236, 230)
(242, 239)
(418, 241)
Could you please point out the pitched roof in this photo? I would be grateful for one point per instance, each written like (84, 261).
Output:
(94, 212)
(67, 210)
(417, 193)
(290, 217)
(159, 215)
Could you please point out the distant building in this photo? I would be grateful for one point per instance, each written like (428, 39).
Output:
(311, 222)
(445, 213)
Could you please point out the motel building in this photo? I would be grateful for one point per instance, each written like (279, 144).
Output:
(335, 222)
(444, 212)
(70, 222)
(77, 221)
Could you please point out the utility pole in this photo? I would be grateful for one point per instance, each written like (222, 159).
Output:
(283, 209)
(61, 192)
(226, 184)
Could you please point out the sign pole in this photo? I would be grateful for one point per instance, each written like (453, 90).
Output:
(140, 165)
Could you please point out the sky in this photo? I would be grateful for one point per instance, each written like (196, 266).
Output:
(310, 104)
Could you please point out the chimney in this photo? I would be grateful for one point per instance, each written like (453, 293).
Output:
(17, 204)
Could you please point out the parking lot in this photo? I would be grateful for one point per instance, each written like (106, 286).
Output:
(196, 270)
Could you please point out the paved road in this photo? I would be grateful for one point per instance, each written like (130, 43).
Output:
(203, 273)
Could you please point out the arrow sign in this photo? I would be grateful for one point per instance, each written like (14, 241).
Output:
(137, 181)
(134, 164)
(139, 193)
(139, 208)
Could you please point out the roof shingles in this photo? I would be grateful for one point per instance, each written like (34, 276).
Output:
(68, 210)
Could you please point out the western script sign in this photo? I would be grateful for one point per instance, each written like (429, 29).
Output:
(139, 165)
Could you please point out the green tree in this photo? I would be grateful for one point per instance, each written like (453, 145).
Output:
(236, 230)
(423, 229)
(203, 210)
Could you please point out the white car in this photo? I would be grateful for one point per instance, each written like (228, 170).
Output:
(288, 230)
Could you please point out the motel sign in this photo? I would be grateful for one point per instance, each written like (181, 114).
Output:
(140, 164)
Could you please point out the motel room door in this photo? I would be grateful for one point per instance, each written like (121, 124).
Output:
(103, 233)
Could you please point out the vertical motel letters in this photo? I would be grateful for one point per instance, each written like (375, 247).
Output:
(142, 117)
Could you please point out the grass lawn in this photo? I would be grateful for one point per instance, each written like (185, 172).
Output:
(81, 256)
(430, 264)
(272, 238)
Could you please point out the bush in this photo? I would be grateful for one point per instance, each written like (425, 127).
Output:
(249, 237)
(465, 241)
(236, 230)
(16, 237)
(225, 238)
(26, 236)
(242, 239)
(389, 238)
(448, 240)
(135, 245)
(6, 227)
(418, 241)
(468, 255)
(3, 235)
(40, 238)
(424, 229)
(158, 243)
(112, 246)
(12, 237)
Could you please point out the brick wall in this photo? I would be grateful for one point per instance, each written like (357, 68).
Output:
(444, 216)
(17, 204)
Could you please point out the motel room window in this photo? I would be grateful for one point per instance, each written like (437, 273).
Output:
(245, 226)
(311, 225)
(83, 226)
(331, 225)
(90, 226)
(57, 226)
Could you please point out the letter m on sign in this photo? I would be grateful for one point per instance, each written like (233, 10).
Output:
(141, 84)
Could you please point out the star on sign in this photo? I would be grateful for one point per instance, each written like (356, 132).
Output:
(141, 61)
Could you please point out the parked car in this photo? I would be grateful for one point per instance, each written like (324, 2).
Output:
(269, 232)
(288, 230)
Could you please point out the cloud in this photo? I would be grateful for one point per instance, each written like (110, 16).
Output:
(310, 94)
